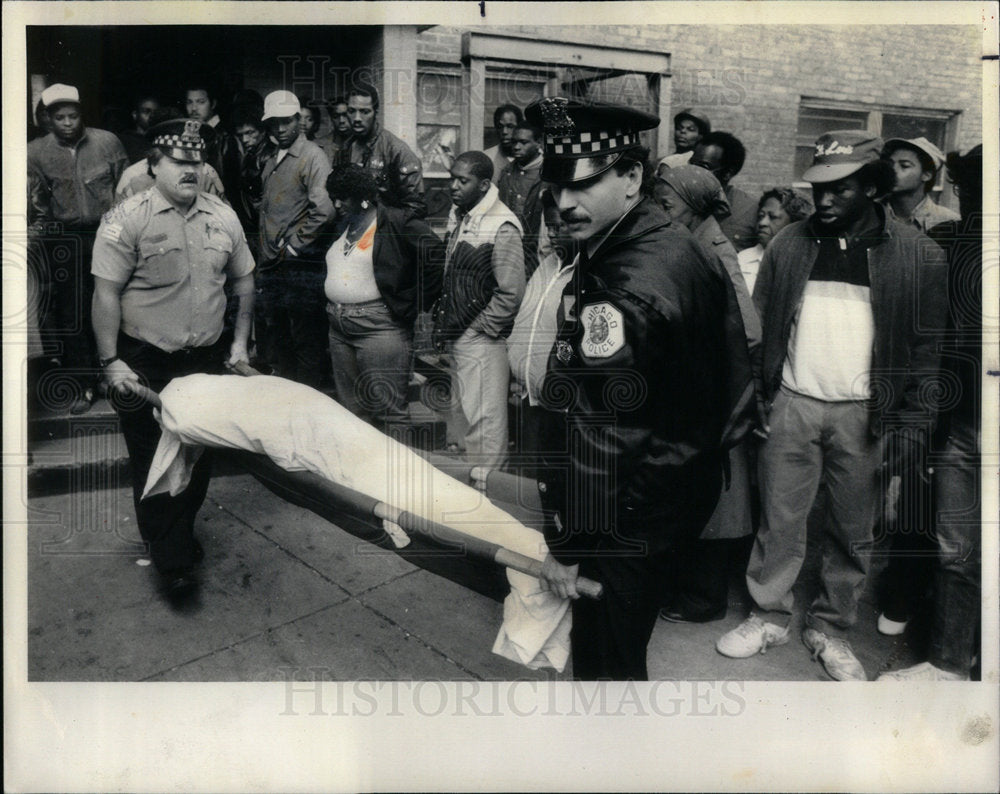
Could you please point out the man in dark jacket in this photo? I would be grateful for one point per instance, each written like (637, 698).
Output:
(957, 462)
(393, 164)
(72, 173)
(852, 305)
(641, 368)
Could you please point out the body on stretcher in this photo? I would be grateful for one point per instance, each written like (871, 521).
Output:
(302, 430)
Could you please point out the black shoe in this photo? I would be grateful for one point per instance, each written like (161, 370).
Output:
(179, 586)
(83, 403)
(676, 615)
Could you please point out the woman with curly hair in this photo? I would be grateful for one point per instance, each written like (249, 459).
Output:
(384, 265)
(778, 207)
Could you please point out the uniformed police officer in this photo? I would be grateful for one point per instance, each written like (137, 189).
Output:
(641, 367)
(161, 260)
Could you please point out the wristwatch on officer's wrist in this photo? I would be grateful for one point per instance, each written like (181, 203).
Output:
(105, 361)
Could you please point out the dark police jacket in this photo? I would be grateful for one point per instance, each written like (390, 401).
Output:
(649, 349)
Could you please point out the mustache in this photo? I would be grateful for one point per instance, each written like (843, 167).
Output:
(189, 179)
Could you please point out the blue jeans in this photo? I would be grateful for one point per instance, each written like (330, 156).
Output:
(370, 353)
(959, 537)
(810, 439)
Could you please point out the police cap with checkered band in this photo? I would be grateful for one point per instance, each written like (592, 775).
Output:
(182, 139)
(584, 139)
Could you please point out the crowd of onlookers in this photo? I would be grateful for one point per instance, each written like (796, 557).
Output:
(332, 206)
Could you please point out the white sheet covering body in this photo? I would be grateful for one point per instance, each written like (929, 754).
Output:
(302, 429)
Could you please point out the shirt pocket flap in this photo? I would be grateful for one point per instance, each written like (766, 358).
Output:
(219, 242)
(148, 248)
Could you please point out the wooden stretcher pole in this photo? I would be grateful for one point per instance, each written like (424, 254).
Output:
(143, 392)
(441, 533)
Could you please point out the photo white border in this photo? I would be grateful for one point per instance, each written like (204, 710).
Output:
(232, 737)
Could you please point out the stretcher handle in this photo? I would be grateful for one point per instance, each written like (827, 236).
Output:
(476, 546)
(150, 396)
(142, 392)
(242, 368)
(480, 475)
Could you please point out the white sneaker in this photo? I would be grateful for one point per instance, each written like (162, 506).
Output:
(752, 636)
(836, 655)
(924, 671)
(891, 628)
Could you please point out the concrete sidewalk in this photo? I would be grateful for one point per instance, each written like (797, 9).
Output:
(285, 591)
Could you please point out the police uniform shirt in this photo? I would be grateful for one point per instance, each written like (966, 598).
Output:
(173, 266)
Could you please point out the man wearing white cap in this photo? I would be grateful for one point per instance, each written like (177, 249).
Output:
(294, 206)
(72, 176)
(853, 306)
(916, 164)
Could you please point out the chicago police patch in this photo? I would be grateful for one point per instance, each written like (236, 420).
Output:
(603, 330)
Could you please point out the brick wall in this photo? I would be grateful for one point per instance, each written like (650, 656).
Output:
(750, 78)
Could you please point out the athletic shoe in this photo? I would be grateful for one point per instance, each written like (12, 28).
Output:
(752, 636)
(890, 627)
(836, 655)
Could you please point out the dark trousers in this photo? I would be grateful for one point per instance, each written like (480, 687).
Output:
(371, 354)
(700, 579)
(68, 288)
(166, 522)
(293, 328)
(610, 634)
(912, 552)
(959, 537)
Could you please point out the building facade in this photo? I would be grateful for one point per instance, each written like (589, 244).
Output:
(776, 87)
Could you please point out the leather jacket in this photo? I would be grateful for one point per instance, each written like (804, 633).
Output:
(643, 366)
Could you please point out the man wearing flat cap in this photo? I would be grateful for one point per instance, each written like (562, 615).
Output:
(72, 173)
(641, 367)
(690, 126)
(161, 261)
(916, 164)
(852, 304)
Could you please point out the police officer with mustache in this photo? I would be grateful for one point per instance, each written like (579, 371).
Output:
(161, 261)
(649, 362)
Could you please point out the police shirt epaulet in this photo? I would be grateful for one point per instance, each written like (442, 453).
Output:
(111, 223)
